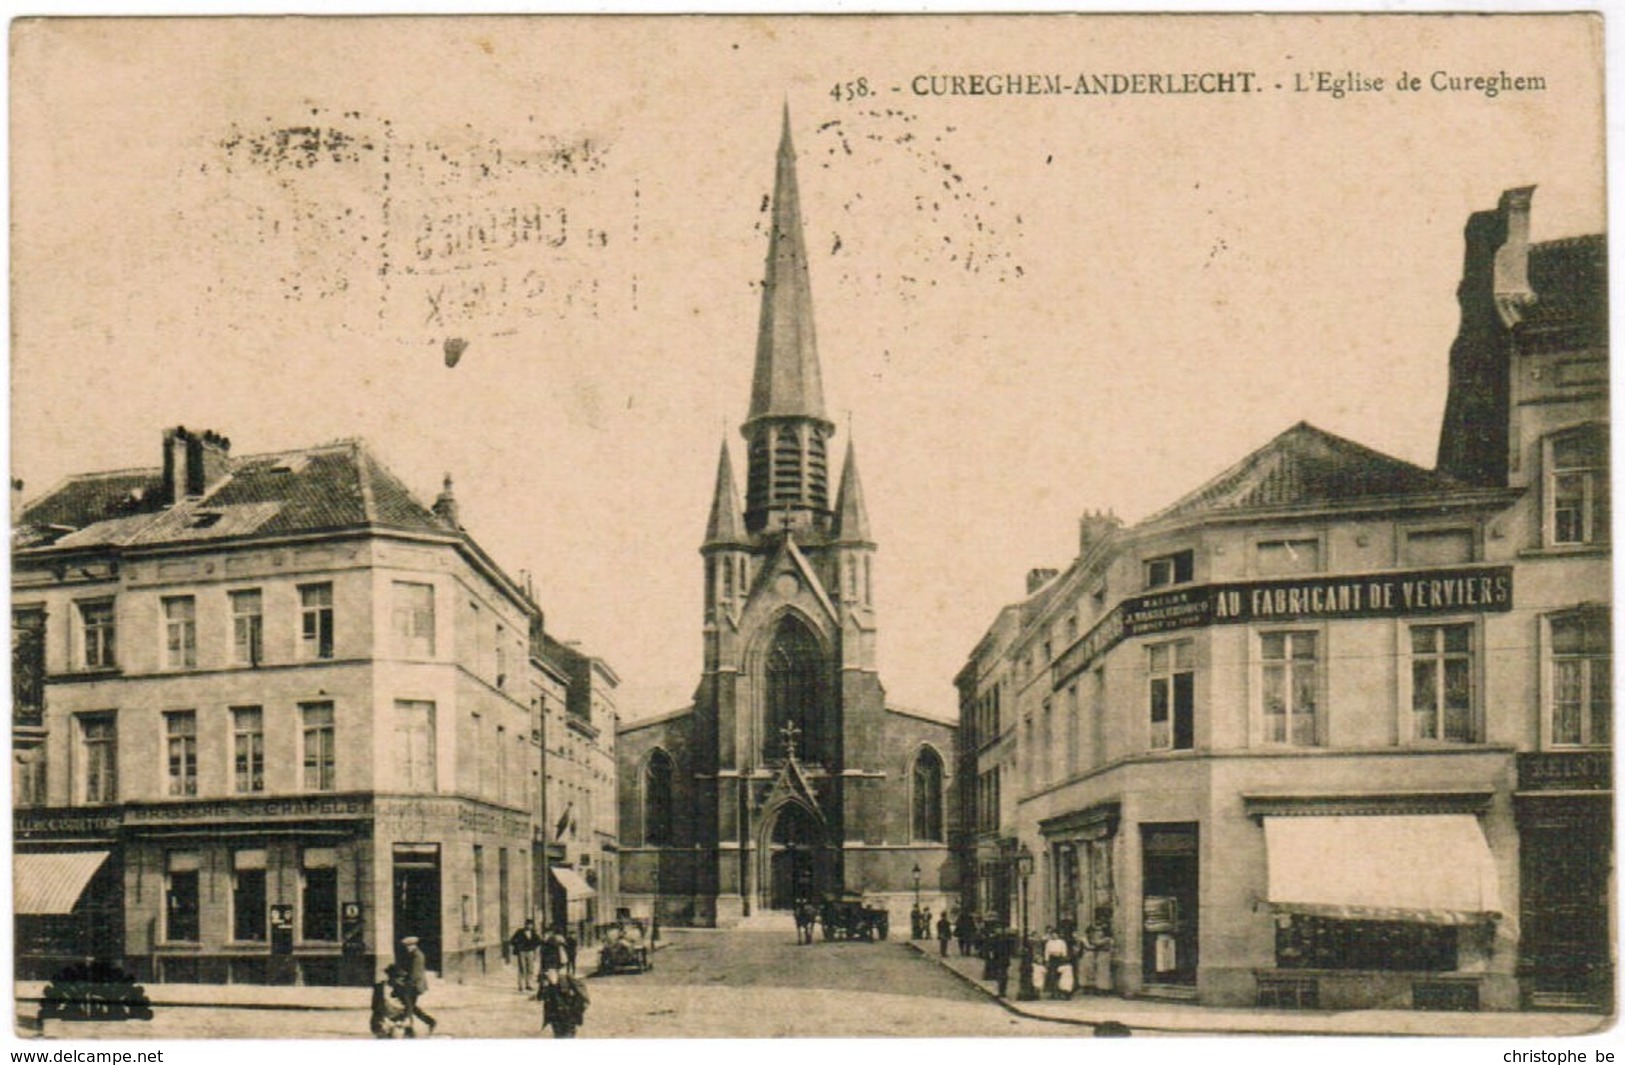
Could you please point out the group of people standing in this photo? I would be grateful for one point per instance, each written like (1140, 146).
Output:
(1061, 963)
(562, 994)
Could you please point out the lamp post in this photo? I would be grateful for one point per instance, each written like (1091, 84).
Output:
(1024, 869)
(916, 922)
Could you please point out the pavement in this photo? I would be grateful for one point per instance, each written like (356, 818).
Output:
(1143, 1015)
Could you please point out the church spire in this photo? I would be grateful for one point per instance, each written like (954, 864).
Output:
(727, 524)
(852, 517)
(787, 381)
(786, 429)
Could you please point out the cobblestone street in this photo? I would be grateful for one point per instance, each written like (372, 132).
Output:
(703, 984)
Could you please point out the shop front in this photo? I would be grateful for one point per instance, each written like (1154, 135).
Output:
(1080, 846)
(68, 897)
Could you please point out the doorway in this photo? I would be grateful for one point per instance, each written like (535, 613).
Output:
(795, 854)
(417, 898)
(1169, 908)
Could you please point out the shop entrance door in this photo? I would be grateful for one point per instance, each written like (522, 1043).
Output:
(1169, 908)
(1565, 939)
(417, 898)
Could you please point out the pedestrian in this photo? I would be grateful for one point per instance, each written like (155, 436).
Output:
(523, 943)
(914, 922)
(1097, 942)
(945, 932)
(564, 1004)
(570, 950)
(389, 1015)
(965, 929)
(925, 923)
(414, 985)
(551, 955)
(1056, 958)
(1001, 945)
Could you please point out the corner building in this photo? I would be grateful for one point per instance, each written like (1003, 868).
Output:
(271, 715)
(789, 776)
(1334, 730)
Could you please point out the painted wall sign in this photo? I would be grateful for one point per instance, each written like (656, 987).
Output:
(300, 808)
(1410, 593)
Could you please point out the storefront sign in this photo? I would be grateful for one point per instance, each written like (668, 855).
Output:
(1481, 589)
(1565, 771)
(327, 807)
(64, 821)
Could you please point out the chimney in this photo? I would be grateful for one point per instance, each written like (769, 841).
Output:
(1037, 578)
(1512, 291)
(1095, 528)
(193, 463)
(445, 504)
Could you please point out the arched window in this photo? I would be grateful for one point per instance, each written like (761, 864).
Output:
(927, 804)
(657, 800)
(795, 693)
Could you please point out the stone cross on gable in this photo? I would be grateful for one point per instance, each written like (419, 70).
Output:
(790, 733)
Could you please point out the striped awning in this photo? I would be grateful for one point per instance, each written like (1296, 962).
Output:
(1422, 868)
(51, 883)
(575, 887)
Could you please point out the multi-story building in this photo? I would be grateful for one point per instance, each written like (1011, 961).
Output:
(1334, 729)
(582, 834)
(273, 715)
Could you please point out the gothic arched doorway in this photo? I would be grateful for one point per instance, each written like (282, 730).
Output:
(797, 857)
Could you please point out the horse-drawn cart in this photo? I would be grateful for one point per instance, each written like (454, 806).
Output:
(851, 916)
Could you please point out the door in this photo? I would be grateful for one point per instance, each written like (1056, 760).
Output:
(793, 855)
(417, 898)
(1565, 939)
(1169, 906)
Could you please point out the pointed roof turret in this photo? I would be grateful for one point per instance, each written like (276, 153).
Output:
(851, 515)
(727, 524)
(787, 381)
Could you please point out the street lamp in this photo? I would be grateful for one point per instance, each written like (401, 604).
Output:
(917, 933)
(1024, 869)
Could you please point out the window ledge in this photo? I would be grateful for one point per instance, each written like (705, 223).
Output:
(1600, 550)
(180, 946)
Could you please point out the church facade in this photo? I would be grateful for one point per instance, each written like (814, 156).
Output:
(789, 776)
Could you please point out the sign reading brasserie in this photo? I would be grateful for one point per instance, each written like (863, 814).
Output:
(1367, 595)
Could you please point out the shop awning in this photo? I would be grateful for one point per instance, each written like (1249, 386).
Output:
(1426, 868)
(47, 884)
(572, 883)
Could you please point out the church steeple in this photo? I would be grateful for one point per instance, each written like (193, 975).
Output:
(786, 427)
(727, 525)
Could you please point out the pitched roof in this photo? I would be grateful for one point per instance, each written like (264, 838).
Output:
(330, 488)
(1570, 280)
(1305, 466)
(787, 381)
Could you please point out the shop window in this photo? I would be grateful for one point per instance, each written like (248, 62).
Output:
(415, 745)
(412, 616)
(1291, 687)
(319, 894)
(1306, 942)
(316, 620)
(247, 627)
(180, 739)
(1581, 685)
(1172, 695)
(181, 897)
(98, 741)
(1442, 683)
(180, 632)
(1438, 547)
(927, 793)
(1577, 504)
(1285, 557)
(1177, 568)
(247, 749)
(316, 720)
(96, 630)
(248, 923)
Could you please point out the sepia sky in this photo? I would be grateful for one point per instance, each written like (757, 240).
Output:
(1027, 306)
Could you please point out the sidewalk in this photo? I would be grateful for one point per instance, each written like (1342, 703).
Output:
(1089, 1010)
(443, 994)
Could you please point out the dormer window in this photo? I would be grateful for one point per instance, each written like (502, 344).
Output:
(206, 518)
(1177, 568)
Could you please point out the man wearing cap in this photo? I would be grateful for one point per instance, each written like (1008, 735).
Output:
(416, 983)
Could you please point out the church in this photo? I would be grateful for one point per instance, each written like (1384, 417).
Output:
(789, 776)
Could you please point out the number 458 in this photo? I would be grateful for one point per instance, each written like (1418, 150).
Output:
(850, 90)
